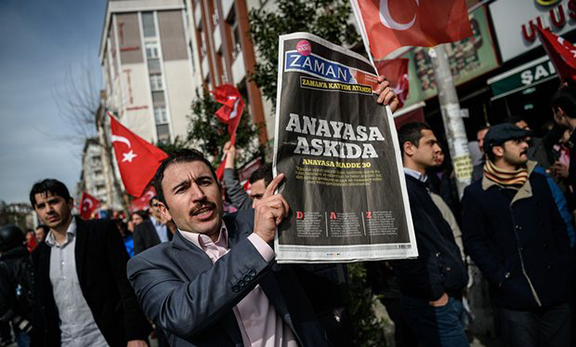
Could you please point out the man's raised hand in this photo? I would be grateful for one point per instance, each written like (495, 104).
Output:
(270, 211)
(386, 95)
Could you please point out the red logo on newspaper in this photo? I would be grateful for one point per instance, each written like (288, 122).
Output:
(299, 215)
(304, 47)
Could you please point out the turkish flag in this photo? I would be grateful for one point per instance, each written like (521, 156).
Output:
(137, 158)
(143, 202)
(232, 108)
(391, 24)
(88, 205)
(396, 72)
(221, 167)
(561, 52)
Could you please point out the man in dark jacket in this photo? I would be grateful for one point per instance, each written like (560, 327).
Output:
(151, 231)
(15, 283)
(83, 296)
(514, 233)
(432, 284)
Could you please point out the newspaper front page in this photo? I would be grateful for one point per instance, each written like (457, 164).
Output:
(339, 151)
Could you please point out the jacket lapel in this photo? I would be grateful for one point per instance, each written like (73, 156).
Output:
(80, 247)
(269, 283)
(192, 269)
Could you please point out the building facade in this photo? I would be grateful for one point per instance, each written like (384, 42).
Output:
(224, 51)
(148, 67)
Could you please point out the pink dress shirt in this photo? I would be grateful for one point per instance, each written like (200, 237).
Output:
(259, 323)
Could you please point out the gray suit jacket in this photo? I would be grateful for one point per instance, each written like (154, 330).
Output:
(192, 299)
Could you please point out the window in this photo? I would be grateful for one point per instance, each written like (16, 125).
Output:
(154, 66)
(158, 97)
(160, 115)
(233, 22)
(151, 50)
(156, 82)
(163, 133)
(148, 24)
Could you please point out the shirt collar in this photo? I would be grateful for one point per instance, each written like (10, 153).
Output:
(417, 175)
(203, 241)
(70, 233)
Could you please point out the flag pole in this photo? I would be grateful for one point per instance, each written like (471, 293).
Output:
(452, 118)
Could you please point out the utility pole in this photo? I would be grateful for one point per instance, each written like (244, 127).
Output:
(112, 181)
(452, 118)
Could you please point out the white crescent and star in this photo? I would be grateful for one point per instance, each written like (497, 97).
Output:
(87, 202)
(561, 41)
(129, 156)
(116, 138)
(389, 22)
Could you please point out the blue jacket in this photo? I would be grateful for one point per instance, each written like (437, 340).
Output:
(518, 240)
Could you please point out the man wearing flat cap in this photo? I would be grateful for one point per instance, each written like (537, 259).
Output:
(514, 233)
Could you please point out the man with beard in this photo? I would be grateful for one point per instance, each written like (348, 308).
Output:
(514, 233)
(82, 295)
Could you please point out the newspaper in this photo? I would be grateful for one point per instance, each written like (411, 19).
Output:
(339, 151)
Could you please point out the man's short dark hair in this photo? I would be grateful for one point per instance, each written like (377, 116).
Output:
(411, 132)
(143, 214)
(49, 185)
(152, 199)
(516, 119)
(263, 172)
(565, 99)
(180, 156)
(44, 228)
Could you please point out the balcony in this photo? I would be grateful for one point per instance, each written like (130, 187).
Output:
(238, 69)
(217, 38)
(226, 7)
(198, 15)
(205, 68)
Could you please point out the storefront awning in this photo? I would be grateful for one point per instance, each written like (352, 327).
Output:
(522, 77)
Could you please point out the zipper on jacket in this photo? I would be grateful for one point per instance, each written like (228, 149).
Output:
(532, 289)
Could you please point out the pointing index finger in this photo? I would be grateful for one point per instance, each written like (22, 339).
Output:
(273, 185)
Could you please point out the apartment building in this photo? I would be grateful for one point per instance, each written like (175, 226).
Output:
(222, 46)
(148, 66)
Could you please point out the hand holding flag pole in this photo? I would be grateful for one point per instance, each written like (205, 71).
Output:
(229, 113)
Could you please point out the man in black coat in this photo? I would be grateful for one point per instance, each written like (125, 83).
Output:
(16, 279)
(432, 284)
(83, 296)
(151, 231)
(514, 233)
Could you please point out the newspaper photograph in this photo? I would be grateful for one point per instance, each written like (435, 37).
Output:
(339, 151)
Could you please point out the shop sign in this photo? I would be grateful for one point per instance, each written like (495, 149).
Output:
(515, 22)
(522, 77)
(468, 59)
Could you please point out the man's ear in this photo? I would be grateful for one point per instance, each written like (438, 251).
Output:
(164, 211)
(498, 151)
(408, 148)
(70, 203)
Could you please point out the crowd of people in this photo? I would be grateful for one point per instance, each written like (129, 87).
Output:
(188, 274)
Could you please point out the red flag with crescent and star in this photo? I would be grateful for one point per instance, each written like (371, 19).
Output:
(232, 108)
(143, 202)
(561, 52)
(229, 113)
(137, 158)
(88, 205)
(391, 24)
(396, 72)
